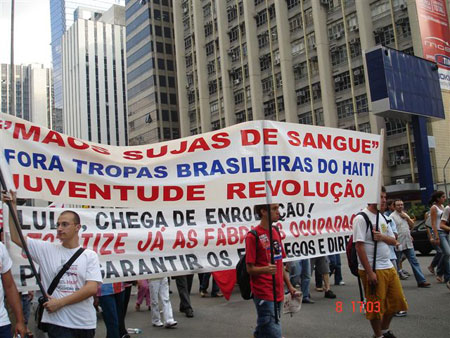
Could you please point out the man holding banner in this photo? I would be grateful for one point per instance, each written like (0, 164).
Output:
(382, 287)
(69, 311)
(260, 269)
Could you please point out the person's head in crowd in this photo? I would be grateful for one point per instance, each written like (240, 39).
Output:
(399, 206)
(68, 226)
(261, 211)
(437, 197)
(390, 205)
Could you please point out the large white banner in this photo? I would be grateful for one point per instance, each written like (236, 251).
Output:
(246, 162)
(185, 205)
(134, 244)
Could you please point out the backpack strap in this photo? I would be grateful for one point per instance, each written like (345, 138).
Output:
(368, 222)
(254, 233)
(388, 221)
(65, 267)
(369, 225)
(375, 244)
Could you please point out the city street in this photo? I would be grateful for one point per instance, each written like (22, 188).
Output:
(215, 317)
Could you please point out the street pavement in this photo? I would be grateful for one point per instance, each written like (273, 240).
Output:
(428, 314)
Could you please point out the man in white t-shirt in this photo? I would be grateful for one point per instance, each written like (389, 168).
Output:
(404, 226)
(69, 312)
(382, 287)
(8, 288)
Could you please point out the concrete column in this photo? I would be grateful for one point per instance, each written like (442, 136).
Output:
(253, 60)
(323, 58)
(367, 39)
(225, 63)
(180, 55)
(201, 67)
(284, 45)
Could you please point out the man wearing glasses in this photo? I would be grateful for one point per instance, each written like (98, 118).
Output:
(69, 312)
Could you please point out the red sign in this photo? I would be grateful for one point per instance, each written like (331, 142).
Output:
(435, 33)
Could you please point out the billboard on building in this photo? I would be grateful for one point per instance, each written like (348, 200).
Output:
(402, 84)
(435, 34)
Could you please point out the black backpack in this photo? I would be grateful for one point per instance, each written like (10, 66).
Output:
(242, 276)
(352, 256)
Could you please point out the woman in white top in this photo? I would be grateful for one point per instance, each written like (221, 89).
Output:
(444, 236)
(434, 218)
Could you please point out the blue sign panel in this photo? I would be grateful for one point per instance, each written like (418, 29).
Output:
(402, 84)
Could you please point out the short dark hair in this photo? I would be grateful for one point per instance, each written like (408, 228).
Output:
(257, 209)
(383, 189)
(390, 202)
(397, 200)
(76, 217)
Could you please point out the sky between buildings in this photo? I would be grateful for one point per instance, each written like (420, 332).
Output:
(32, 32)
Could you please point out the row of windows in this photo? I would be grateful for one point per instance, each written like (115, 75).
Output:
(306, 118)
(173, 115)
(168, 98)
(234, 32)
(232, 12)
(147, 65)
(144, 50)
(143, 17)
(261, 17)
(339, 53)
(398, 155)
(295, 23)
(145, 32)
(342, 81)
(167, 31)
(170, 82)
(132, 9)
(304, 95)
(345, 107)
(240, 115)
(395, 126)
(160, 48)
(165, 64)
(383, 7)
(385, 35)
(269, 107)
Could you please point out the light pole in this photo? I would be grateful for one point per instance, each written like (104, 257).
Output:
(12, 96)
(445, 181)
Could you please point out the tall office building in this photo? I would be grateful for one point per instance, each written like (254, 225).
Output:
(33, 93)
(298, 61)
(94, 76)
(61, 18)
(151, 74)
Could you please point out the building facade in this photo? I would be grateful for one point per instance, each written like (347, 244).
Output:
(151, 72)
(297, 61)
(94, 73)
(61, 18)
(33, 93)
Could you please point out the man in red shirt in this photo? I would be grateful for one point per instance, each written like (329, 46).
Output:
(261, 271)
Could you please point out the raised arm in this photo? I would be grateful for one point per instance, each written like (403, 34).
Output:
(11, 197)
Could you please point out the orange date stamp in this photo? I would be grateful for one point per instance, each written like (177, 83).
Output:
(360, 307)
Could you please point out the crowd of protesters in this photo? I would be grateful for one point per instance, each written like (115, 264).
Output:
(70, 313)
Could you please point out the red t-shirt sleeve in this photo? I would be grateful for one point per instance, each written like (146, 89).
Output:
(250, 248)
